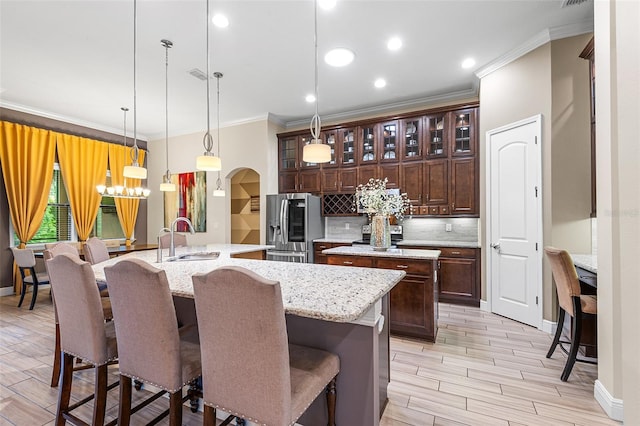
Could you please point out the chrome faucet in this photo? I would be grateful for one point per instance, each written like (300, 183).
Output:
(172, 247)
(159, 249)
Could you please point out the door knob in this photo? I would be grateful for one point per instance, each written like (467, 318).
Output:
(496, 246)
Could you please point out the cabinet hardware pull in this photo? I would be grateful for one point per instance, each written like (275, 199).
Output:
(455, 252)
(402, 266)
(426, 197)
(323, 247)
(347, 263)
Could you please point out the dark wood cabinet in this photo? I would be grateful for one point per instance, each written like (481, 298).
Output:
(318, 256)
(432, 156)
(414, 300)
(464, 186)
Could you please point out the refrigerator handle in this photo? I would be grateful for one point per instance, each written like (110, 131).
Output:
(284, 222)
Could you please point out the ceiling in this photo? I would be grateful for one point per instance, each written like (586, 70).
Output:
(73, 60)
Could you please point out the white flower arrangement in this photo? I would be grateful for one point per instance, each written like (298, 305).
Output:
(375, 199)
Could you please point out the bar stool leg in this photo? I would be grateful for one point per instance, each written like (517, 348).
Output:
(64, 391)
(175, 408)
(559, 327)
(575, 344)
(100, 395)
(124, 410)
(55, 373)
(209, 416)
(35, 293)
(331, 402)
(23, 291)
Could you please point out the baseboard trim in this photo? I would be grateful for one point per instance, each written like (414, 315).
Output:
(6, 291)
(612, 406)
(484, 306)
(549, 326)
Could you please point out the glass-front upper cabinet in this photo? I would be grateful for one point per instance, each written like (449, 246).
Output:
(367, 144)
(330, 137)
(436, 136)
(306, 140)
(348, 140)
(463, 131)
(288, 153)
(411, 136)
(389, 141)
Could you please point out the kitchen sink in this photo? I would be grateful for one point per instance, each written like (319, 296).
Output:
(203, 255)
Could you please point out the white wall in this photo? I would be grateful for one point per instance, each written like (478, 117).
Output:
(250, 145)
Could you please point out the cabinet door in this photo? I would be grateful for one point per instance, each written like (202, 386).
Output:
(436, 136)
(367, 172)
(348, 146)
(389, 142)
(463, 186)
(412, 308)
(436, 182)
(329, 180)
(458, 281)
(302, 141)
(463, 132)
(392, 173)
(411, 182)
(411, 138)
(348, 180)
(309, 181)
(330, 137)
(367, 144)
(288, 153)
(288, 182)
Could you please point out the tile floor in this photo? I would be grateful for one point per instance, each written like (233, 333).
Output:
(483, 370)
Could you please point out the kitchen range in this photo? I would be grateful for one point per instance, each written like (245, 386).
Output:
(293, 222)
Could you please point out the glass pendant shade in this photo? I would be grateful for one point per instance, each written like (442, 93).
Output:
(316, 153)
(168, 187)
(135, 172)
(209, 163)
(218, 193)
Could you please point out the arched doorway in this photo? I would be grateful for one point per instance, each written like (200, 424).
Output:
(245, 207)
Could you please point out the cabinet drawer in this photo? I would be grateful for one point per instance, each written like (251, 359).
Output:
(350, 261)
(409, 266)
(457, 252)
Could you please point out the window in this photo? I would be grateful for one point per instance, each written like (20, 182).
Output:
(57, 223)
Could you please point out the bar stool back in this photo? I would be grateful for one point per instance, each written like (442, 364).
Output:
(249, 369)
(95, 251)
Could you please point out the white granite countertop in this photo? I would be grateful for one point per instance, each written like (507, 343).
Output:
(433, 243)
(586, 261)
(364, 250)
(336, 240)
(326, 292)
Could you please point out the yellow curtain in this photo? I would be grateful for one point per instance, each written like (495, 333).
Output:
(27, 156)
(83, 163)
(127, 208)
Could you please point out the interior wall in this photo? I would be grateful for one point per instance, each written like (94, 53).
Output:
(514, 92)
(245, 220)
(250, 145)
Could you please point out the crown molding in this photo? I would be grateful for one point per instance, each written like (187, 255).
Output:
(540, 39)
(392, 107)
(66, 119)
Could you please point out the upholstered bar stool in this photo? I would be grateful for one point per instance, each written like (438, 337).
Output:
(84, 333)
(26, 261)
(50, 252)
(269, 381)
(95, 251)
(151, 347)
(571, 301)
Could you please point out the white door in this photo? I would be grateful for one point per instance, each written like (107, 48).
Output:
(515, 226)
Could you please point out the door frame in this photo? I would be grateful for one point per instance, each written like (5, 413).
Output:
(536, 119)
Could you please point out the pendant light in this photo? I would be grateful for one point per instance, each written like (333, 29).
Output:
(135, 170)
(219, 191)
(208, 161)
(166, 185)
(316, 151)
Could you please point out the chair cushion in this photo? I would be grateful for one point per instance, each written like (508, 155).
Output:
(589, 304)
(43, 278)
(311, 369)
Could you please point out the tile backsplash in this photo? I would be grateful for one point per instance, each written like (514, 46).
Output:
(429, 229)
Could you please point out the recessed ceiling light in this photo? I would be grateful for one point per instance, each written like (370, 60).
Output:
(468, 63)
(380, 83)
(310, 98)
(220, 21)
(327, 4)
(394, 43)
(339, 57)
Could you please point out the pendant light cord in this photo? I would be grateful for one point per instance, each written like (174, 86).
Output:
(167, 44)
(207, 141)
(218, 76)
(134, 151)
(316, 124)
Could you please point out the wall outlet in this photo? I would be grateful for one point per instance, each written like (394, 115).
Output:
(447, 227)
(346, 225)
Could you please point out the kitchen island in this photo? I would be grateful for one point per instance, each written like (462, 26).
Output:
(414, 301)
(341, 310)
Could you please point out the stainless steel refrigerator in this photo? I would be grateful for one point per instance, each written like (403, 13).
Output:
(293, 222)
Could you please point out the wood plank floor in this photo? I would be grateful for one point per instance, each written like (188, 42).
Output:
(483, 370)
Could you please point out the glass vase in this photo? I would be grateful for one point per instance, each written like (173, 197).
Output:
(380, 233)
